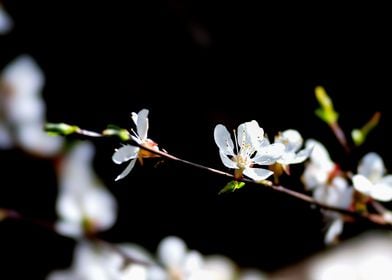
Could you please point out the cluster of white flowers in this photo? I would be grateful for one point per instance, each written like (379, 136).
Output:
(173, 261)
(86, 207)
(253, 148)
(333, 187)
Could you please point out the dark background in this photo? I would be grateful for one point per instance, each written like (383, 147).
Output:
(193, 64)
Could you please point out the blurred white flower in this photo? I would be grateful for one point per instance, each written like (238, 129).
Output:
(84, 205)
(292, 140)
(94, 262)
(22, 109)
(251, 148)
(322, 176)
(181, 263)
(131, 153)
(370, 179)
(6, 23)
(320, 168)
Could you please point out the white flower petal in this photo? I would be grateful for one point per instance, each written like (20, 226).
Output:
(251, 274)
(142, 124)
(24, 76)
(255, 133)
(269, 154)
(334, 230)
(372, 167)
(314, 176)
(34, 139)
(291, 138)
(345, 193)
(70, 229)
(292, 158)
(126, 170)
(125, 153)
(227, 161)
(100, 207)
(382, 190)
(193, 261)
(319, 155)
(257, 174)
(172, 251)
(223, 140)
(362, 184)
(219, 267)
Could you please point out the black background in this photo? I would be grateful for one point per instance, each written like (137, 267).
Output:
(193, 64)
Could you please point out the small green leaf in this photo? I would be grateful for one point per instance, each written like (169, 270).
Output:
(232, 186)
(326, 112)
(56, 129)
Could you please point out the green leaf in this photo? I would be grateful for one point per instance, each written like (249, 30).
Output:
(326, 112)
(232, 186)
(56, 129)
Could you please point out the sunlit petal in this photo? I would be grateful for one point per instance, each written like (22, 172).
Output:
(125, 153)
(127, 170)
(142, 124)
(172, 251)
(291, 138)
(223, 140)
(382, 190)
(334, 230)
(319, 155)
(269, 154)
(257, 174)
(372, 167)
(362, 184)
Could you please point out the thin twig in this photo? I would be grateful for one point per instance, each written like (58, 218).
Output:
(374, 218)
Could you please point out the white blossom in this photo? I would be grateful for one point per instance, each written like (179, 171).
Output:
(251, 149)
(131, 153)
(94, 262)
(292, 140)
(23, 109)
(84, 205)
(371, 179)
(329, 187)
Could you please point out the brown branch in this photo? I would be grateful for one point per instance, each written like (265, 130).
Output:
(373, 218)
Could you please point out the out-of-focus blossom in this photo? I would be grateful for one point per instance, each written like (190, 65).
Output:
(174, 261)
(320, 168)
(84, 205)
(329, 187)
(131, 153)
(292, 140)
(371, 179)
(22, 109)
(96, 262)
(338, 194)
(181, 263)
(251, 149)
(6, 23)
